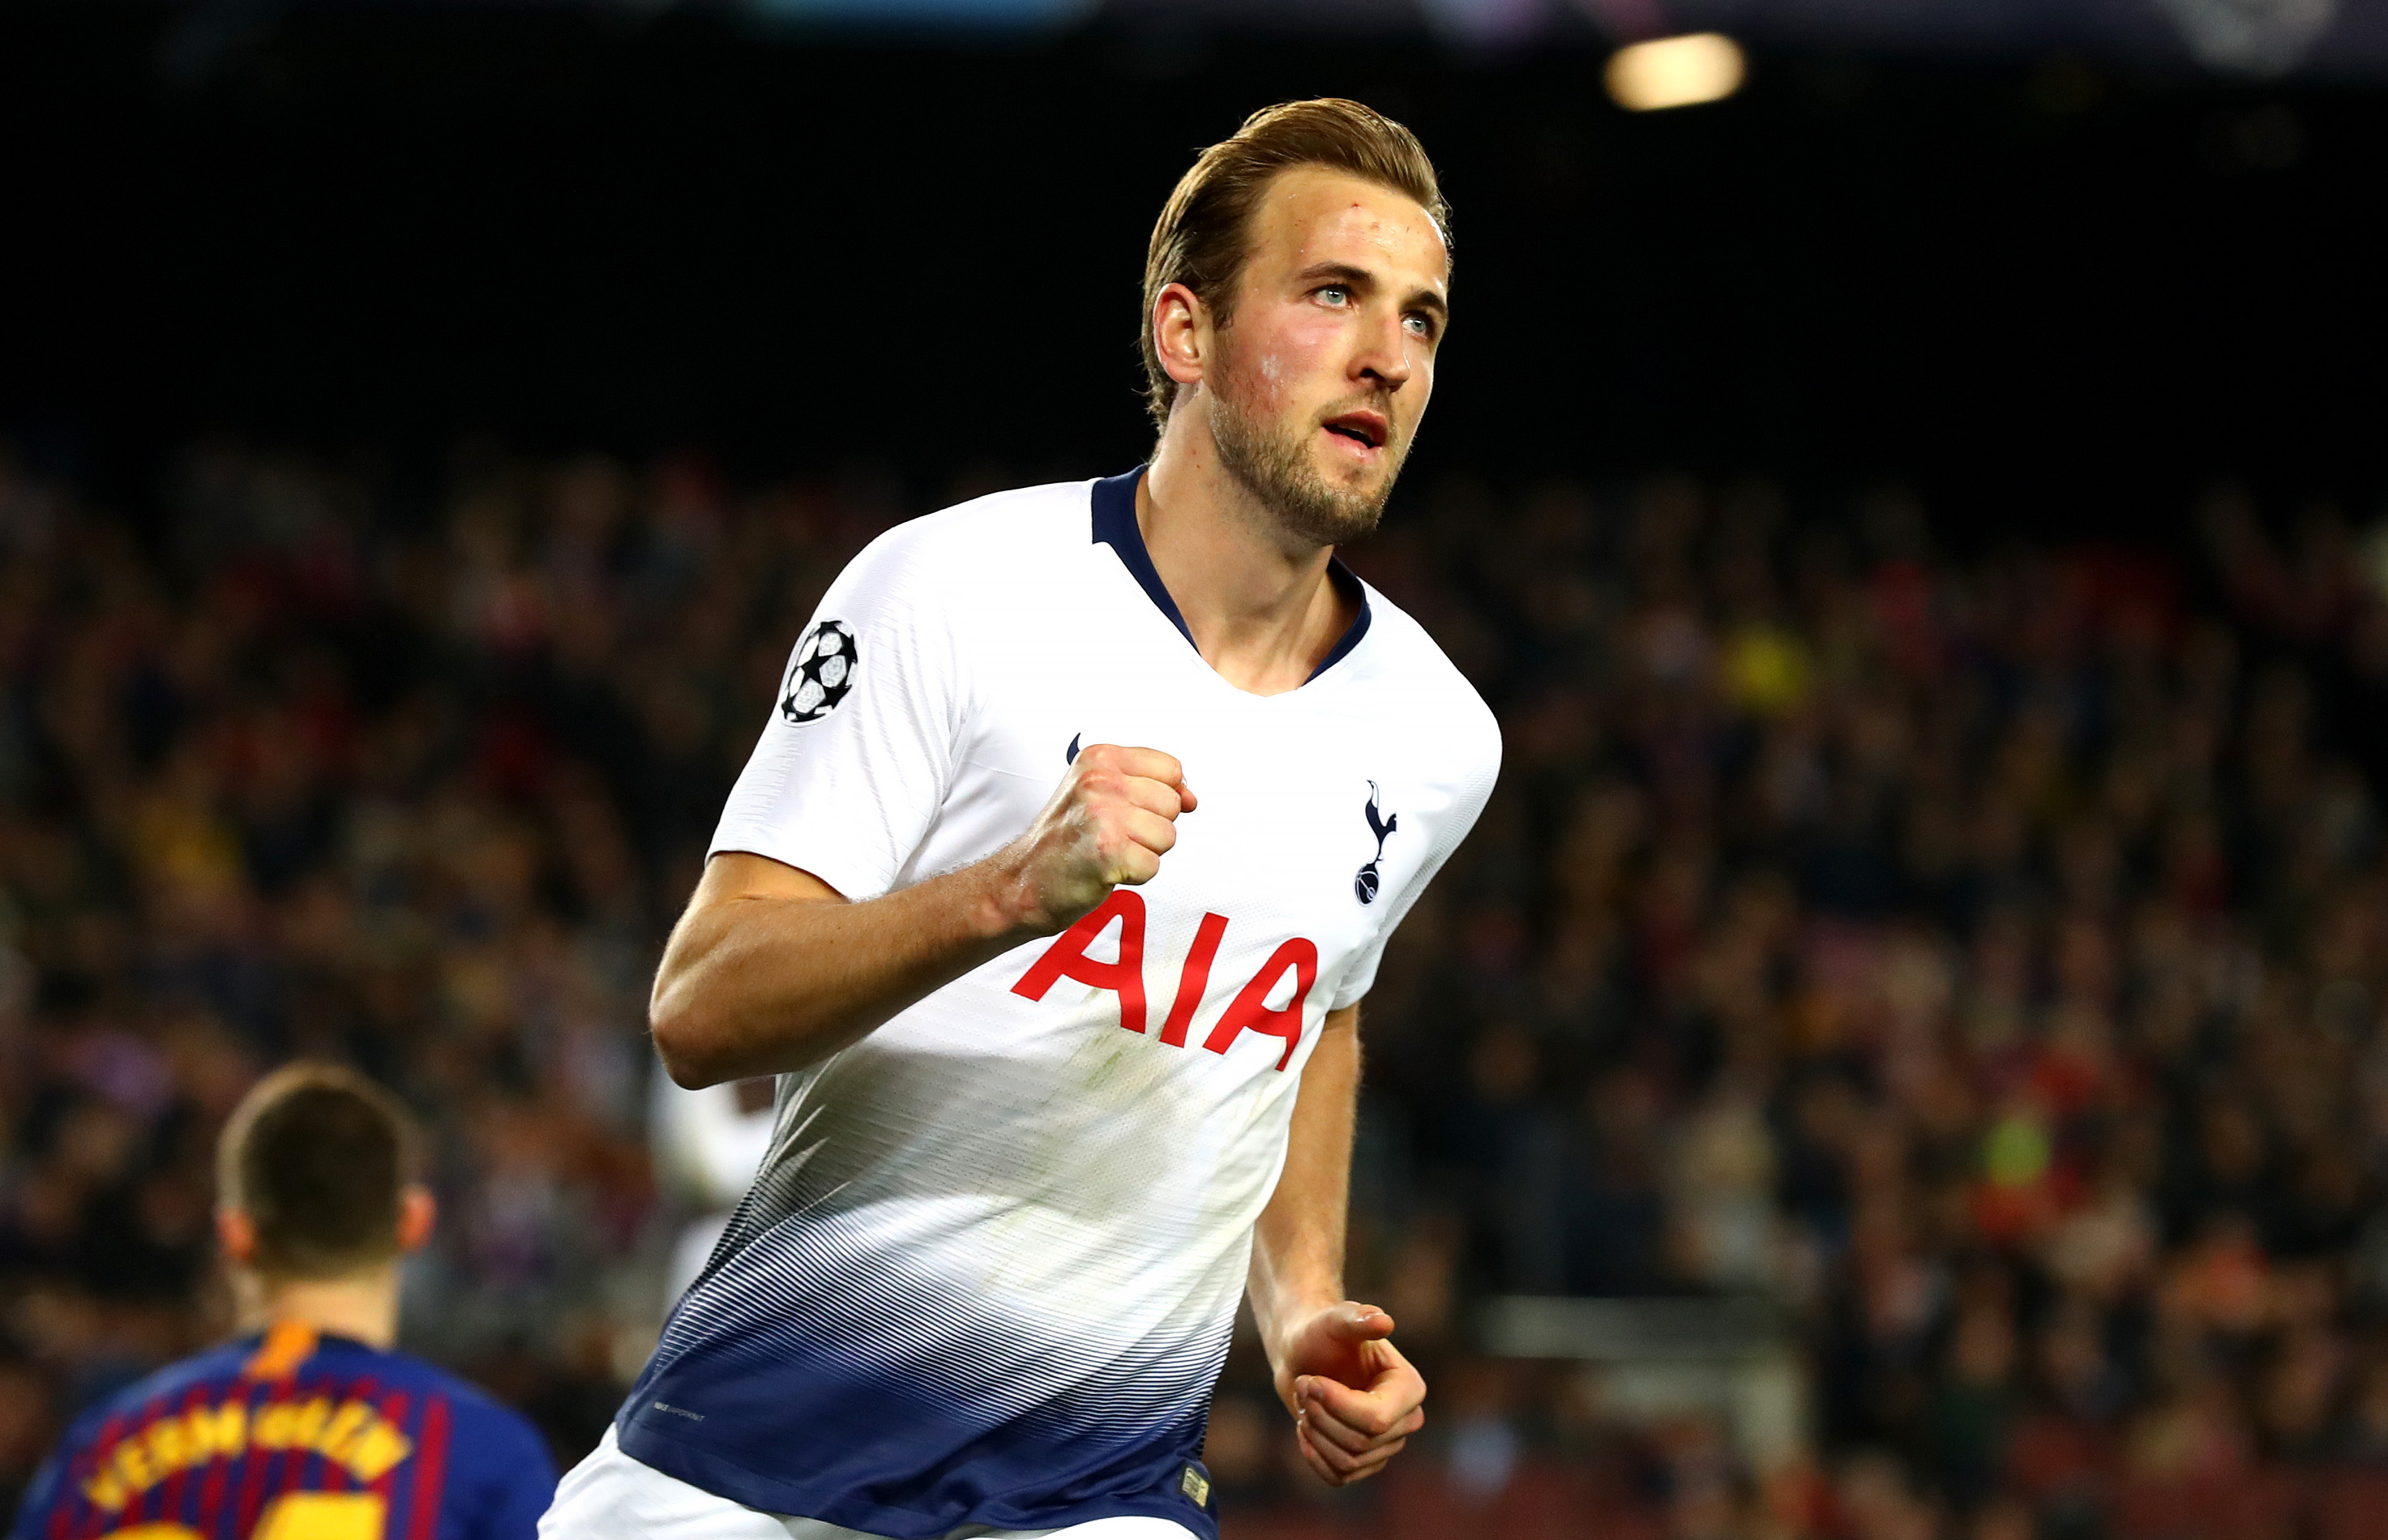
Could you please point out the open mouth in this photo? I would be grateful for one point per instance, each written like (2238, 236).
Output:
(1363, 428)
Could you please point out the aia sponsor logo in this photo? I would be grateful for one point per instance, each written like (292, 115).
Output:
(1249, 1012)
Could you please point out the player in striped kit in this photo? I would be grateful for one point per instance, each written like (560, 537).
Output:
(1067, 1055)
(308, 1427)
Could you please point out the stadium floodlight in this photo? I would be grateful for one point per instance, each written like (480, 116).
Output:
(1676, 71)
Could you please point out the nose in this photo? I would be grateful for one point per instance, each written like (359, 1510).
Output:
(1384, 356)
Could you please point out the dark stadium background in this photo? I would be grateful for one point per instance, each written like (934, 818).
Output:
(1924, 522)
(2044, 288)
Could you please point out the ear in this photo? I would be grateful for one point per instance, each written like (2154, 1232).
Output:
(418, 1212)
(1181, 334)
(236, 1233)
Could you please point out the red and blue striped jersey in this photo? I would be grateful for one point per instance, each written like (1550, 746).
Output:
(293, 1436)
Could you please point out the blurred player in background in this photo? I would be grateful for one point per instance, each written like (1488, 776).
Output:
(1066, 1070)
(309, 1426)
(706, 1144)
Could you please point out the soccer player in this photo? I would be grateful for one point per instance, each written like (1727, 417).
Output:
(1050, 895)
(309, 1426)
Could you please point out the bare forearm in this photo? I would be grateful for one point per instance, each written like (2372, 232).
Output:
(1354, 1398)
(771, 969)
(764, 982)
(1297, 1244)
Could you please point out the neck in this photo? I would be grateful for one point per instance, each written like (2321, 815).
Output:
(362, 1306)
(1261, 606)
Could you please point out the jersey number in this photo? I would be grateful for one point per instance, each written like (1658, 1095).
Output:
(293, 1516)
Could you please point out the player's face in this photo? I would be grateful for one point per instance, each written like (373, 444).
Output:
(1327, 359)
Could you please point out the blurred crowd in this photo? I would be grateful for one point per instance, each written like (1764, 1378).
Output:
(1969, 955)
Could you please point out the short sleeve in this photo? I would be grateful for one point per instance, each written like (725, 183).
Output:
(1451, 829)
(860, 749)
(1362, 974)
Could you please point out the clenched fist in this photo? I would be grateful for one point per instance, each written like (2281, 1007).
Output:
(1354, 1398)
(1110, 821)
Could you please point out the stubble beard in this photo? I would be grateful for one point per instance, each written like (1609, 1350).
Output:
(1274, 464)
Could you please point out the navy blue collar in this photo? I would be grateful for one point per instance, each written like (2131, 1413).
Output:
(1115, 525)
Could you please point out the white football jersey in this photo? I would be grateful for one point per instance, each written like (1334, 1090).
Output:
(988, 1271)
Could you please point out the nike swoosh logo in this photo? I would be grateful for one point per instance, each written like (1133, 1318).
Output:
(1071, 756)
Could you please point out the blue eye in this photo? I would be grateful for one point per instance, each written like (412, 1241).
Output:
(1334, 294)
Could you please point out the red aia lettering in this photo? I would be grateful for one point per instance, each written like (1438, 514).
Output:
(1248, 1011)
(1067, 957)
(1194, 979)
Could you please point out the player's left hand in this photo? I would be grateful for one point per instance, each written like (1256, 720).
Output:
(1355, 1400)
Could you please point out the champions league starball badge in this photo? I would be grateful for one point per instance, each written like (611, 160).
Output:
(822, 673)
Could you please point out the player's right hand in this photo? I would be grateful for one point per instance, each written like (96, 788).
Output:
(1110, 821)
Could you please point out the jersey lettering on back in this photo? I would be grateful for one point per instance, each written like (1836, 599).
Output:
(298, 1437)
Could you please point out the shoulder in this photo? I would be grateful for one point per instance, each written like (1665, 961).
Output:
(1417, 683)
(484, 1433)
(958, 548)
(465, 1400)
(216, 1365)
